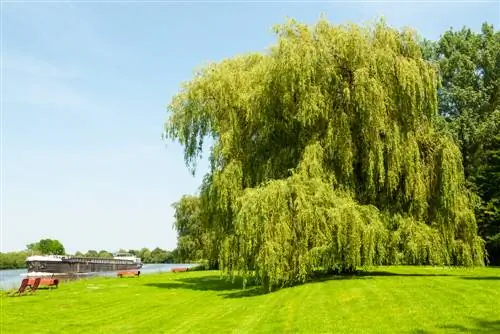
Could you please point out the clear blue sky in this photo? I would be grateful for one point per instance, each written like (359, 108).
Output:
(85, 87)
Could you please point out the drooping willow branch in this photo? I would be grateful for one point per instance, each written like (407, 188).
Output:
(326, 155)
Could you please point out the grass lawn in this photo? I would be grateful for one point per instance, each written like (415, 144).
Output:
(386, 300)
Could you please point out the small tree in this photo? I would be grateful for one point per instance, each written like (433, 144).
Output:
(47, 246)
(92, 253)
(145, 255)
(195, 241)
(158, 255)
(104, 254)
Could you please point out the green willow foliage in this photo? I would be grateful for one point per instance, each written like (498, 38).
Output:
(193, 238)
(326, 156)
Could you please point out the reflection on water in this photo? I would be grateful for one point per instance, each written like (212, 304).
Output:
(11, 278)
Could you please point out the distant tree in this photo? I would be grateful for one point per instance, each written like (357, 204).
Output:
(145, 255)
(487, 179)
(469, 96)
(13, 260)
(158, 255)
(133, 252)
(33, 248)
(92, 253)
(47, 246)
(194, 239)
(79, 254)
(104, 253)
(171, 256)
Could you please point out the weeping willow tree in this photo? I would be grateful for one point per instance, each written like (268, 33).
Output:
(326, 155)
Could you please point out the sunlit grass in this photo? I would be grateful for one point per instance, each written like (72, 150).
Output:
(387, 300)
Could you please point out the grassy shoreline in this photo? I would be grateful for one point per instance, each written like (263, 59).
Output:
(385, 300)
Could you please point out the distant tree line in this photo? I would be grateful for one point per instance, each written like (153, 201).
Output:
(17, 260)
(156, 255)
(13, 260)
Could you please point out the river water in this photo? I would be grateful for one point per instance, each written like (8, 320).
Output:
(11, 278)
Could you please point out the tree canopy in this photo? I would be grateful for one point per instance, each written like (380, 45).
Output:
(469, 69)
(194, 240)
(326, 155)
(47, 246)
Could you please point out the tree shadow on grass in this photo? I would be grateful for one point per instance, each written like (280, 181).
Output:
(235, 289)
(482, 278)
(227, 288)
(388, 273)
(248, 292)
(481, 326)
(362, 274)
(207, 283)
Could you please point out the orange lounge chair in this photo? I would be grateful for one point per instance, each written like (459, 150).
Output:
(35, 285)
(45, 281)
(52, 282)
(129, 273)
(22, 287)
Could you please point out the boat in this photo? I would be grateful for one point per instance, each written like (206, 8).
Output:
(69, 265)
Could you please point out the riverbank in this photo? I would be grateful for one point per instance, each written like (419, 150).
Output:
(10, 278)
(387, 300)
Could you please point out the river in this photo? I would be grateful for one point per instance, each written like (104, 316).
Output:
(11, 278)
